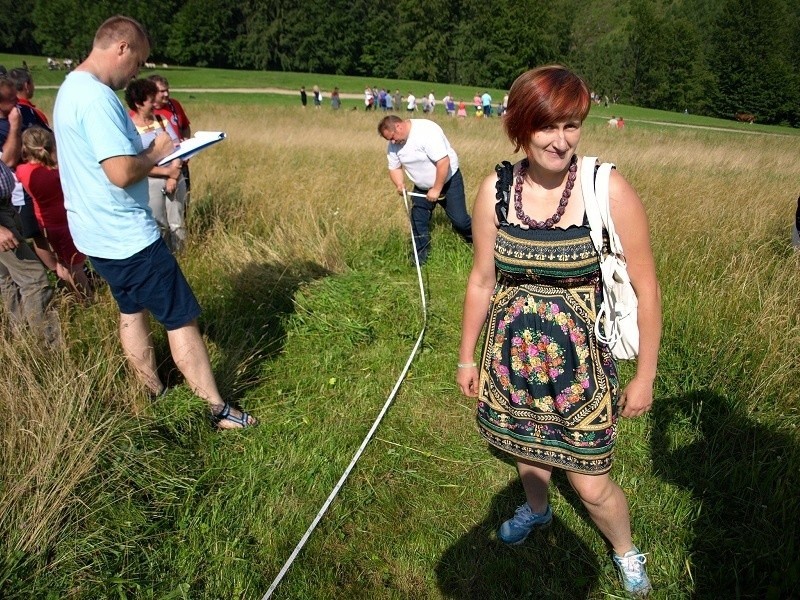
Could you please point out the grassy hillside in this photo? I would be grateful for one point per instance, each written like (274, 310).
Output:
(187, 84)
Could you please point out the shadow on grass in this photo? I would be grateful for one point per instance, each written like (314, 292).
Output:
(553, 563)
(248, 325)
(744, 477)
(245, 321)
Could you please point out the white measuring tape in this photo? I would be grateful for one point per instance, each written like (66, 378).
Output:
(287, 565)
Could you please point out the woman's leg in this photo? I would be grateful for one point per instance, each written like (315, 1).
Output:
(535, 513)
(535, 479)
(607, 507)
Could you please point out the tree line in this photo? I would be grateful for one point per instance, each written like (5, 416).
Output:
(713, 57)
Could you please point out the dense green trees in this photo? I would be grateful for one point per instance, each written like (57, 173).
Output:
(705, 56)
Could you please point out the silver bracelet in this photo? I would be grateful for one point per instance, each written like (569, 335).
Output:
(467, 365)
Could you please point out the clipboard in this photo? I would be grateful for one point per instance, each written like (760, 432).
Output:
(190, 147)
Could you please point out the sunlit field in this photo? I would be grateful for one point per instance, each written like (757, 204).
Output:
(298, 253)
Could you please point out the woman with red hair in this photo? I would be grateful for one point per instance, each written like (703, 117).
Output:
(547, 389)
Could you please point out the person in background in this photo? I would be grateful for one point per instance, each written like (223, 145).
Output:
(796, 228)
(486, 102)
(166, 184)
(411, 103)
(426, 105)
(39, 176)
(104, 168)
(336, 100)
(317, 97)
(30, 116)
(369, 99)
(421, 148)
(547, 391)
(170, 109)
(303, 96)
(24, 286)
(450, 106)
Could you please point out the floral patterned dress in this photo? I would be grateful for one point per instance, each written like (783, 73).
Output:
(548, 389)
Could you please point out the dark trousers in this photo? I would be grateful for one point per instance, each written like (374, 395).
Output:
(455, 206)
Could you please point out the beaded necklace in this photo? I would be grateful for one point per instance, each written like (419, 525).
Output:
(562, 204)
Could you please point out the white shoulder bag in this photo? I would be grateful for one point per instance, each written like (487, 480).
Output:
(616, 324)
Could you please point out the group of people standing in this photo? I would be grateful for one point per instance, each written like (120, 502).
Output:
(547, 390)
(152, 112)
(119, 207)
(27, 156)
(316, 92)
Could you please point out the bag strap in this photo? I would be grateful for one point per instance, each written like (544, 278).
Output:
(594, 184)
(602, 181)
(590, 203)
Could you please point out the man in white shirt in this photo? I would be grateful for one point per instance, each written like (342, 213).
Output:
(420, 147)
(412, 102)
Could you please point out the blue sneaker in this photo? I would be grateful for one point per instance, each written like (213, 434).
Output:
(515, 530)
(632, 572)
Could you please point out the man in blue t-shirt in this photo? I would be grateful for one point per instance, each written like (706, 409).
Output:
(103, 169)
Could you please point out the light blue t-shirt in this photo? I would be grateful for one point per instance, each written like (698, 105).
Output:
(91, 125)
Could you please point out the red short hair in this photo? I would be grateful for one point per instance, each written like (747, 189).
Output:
(541, 97)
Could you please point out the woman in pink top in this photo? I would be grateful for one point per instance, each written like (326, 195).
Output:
(39, 177)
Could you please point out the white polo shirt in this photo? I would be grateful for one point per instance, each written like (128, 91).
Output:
(426, 144)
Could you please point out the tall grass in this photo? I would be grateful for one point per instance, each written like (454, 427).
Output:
(298, 254)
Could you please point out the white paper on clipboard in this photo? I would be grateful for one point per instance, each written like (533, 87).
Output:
(188, 148)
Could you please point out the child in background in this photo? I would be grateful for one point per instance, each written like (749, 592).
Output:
(39, 177)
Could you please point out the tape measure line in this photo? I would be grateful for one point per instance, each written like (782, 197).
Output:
(287, 565)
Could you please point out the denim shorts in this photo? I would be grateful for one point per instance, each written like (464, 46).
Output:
(150, 280)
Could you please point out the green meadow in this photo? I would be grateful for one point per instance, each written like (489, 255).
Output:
(298, 253)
